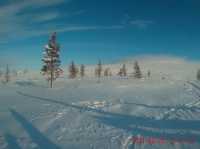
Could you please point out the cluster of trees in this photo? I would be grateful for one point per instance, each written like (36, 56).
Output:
(8, 74)
(137, 72)
(51, 65)
(99, 72)
(74, 71)
(51, 68)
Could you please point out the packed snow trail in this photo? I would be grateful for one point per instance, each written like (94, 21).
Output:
(115, 115)
(64, 103)
(138, 120)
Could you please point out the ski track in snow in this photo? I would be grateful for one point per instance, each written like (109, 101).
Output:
(95, 105)
(191, 104)
(70, 122)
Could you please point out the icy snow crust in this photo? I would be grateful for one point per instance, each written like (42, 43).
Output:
(84, 114)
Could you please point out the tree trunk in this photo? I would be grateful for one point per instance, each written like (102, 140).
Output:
(51, 83)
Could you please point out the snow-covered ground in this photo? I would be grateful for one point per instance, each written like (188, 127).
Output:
(85, 114)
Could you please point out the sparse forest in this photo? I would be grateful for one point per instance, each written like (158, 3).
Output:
(99, 74)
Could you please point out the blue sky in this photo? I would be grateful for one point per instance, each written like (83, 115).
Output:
(89, 30)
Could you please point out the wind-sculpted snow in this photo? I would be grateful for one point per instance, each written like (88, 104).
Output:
(84, 114)
(148, 127)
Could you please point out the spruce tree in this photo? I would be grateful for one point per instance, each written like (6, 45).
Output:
(82, 71)
(14, 72)
(106, 72)
(51, 60)
(148, 73)
(137, 71)
(7, 74)
(1, 73)
(110, 73)
(124, 71)
(98, 70)
(73, 70)
(120, 73)
(198, 75)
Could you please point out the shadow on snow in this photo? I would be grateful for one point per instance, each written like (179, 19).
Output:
(140, 125)
(36, 136)
(179, 107)
(11, 141)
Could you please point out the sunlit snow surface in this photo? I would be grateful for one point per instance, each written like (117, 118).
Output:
(85, 114)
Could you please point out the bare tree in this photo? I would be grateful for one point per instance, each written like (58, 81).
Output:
(73, 70)
(51, 60)
(137, 71)
(82, 70)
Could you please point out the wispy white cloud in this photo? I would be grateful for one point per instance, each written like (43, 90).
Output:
(46, 17)
(141, 23)
(20, 5)
(85, 28)
(39, 32)
(16, 23)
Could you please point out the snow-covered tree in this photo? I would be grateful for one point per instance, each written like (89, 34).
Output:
(137, 71)
(7, 74)
(198, 75)
(73, 71)
(82, 70)
(98, 70)
(51, 60)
